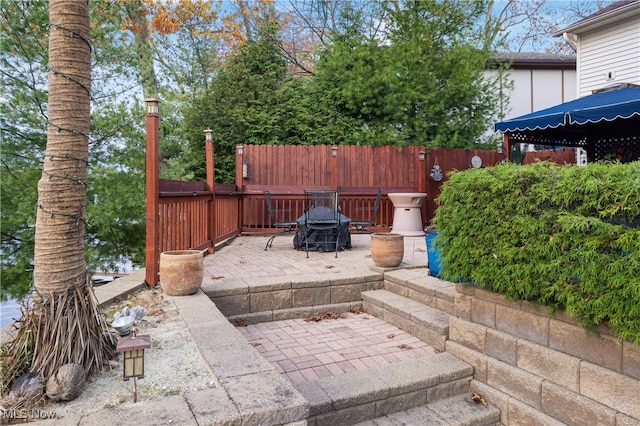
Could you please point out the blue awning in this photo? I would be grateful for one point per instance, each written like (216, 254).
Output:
(605, 106)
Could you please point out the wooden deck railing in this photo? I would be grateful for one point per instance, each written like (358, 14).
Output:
(356, 205)
(227, 206)
(190, 217)
(182, 215)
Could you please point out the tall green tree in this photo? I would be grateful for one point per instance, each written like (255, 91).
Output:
(23, 59)
(241, 103)
(422, 84)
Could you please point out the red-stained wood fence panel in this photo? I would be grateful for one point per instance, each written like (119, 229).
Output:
(227, 211)
(184, 215)
(449, 160)
(356, 171)
(315, 166)
(564, 155)
(183, 222)
(282, 165)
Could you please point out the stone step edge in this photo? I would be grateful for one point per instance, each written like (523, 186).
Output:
(366, 394)
(456, 410)
(424, 322)
(235, 286)
(250, 391)
(252, 318)
(423, 286)
(418, 313)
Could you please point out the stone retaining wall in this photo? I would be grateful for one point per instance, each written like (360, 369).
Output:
(271, 299)
(544, 369)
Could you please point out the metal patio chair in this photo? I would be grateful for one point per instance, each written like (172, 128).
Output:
(361, 225)
(286, 226)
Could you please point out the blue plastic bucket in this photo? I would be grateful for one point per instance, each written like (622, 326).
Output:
(433, 254)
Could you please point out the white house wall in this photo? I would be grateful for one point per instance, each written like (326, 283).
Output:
(570, 84)
(609, 55)
(552, 87)
(535, 89)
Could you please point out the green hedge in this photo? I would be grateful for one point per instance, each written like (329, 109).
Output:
(566, 237)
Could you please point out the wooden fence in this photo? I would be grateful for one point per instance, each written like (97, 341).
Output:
(442, 161)
(185, 218)
(563, 155)
(449, 160)
(324, 166)
(356, 171)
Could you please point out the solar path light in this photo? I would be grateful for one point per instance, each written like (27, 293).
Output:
(133, 348)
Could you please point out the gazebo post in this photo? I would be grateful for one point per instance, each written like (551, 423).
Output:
(508, 144)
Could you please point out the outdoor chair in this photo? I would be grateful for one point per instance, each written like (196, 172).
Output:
(286, 226)
(322, 219)
(361, 225)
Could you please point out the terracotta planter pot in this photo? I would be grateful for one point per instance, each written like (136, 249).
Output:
(181, 272)
(387, 250)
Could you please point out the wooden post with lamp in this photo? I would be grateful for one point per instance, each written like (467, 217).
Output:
(334, 167)
(211, 186)
(152, 187)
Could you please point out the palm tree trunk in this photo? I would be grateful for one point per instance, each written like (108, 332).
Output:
(69, 329)
(59, 258)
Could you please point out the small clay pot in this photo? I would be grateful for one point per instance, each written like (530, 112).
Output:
(387, 250)
(181, 272)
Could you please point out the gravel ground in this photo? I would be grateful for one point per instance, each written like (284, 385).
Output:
(173, 364)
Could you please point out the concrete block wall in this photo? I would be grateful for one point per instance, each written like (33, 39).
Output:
(544, 369)
(271, 299)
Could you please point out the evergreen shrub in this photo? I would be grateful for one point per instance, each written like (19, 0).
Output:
(566, 237)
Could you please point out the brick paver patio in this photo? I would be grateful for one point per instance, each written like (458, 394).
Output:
(309, 350)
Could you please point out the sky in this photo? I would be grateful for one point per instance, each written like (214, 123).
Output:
(556, 13)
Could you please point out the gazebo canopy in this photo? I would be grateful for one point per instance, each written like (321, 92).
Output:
(604, 106)
(607, 122)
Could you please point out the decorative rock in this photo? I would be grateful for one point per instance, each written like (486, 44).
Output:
(26, 387)
(66, 384)
(138, 312)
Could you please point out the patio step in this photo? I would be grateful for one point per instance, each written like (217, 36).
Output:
(424, 322)
(459, 410)
(418, 285)
(441, 380)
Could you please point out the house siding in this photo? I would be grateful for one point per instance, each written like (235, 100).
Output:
(608, 56)
(535, 89)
